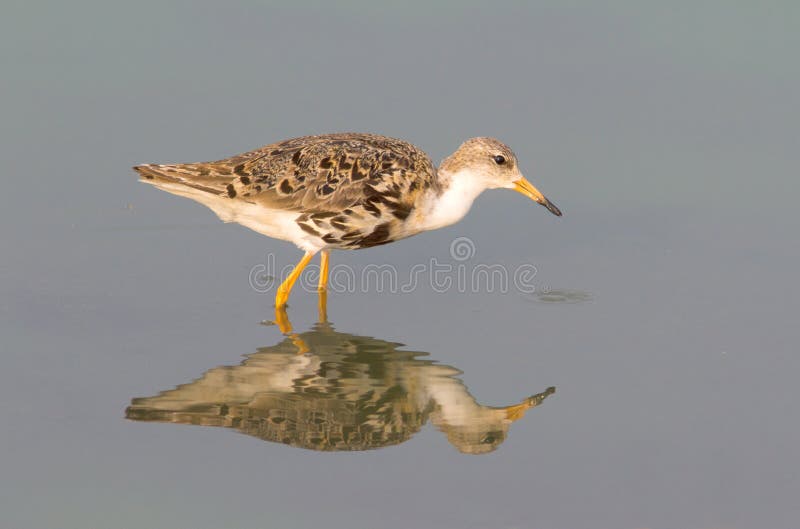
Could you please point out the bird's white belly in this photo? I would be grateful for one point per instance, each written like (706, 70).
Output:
(278, 224)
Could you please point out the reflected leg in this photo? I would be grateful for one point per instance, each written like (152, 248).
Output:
(322, 306)
(285, 326)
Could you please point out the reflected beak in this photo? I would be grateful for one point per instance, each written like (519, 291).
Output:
(517, 411)
(527, 189)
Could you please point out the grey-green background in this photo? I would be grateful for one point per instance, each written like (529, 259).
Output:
(668, 133)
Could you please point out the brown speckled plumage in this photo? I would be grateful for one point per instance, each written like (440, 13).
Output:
(351, 190)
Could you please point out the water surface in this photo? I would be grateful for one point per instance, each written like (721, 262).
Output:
(663, 309)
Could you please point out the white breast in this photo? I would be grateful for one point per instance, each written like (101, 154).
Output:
(454, 202)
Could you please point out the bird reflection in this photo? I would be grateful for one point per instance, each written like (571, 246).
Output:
(333, 391)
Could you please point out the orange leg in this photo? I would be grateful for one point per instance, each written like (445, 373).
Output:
(282, 296)
(323, 269)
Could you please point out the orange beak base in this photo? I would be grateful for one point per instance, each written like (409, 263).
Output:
(527, 189)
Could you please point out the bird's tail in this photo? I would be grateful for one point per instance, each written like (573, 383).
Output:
(196, 176)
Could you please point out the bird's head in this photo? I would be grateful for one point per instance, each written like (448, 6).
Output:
(494, 165)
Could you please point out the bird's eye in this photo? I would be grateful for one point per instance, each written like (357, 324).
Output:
(499, 159)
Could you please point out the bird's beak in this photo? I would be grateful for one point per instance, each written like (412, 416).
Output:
(516, 411)
(527, 189)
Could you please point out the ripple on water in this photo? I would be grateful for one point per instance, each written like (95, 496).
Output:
(560, 296)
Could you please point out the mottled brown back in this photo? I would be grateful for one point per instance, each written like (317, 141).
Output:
(351, 189)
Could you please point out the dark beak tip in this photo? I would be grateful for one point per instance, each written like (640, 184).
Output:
(552, 208)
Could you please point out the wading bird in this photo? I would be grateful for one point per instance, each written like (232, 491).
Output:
(344, 191)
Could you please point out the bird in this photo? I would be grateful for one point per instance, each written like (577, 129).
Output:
(344, 191)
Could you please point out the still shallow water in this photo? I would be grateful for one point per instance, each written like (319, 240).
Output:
(332, 391)
(664, 305)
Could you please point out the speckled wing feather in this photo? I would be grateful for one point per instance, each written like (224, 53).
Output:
(349, 189)
(331, 172)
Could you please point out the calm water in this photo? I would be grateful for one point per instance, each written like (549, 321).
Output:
(664, 306)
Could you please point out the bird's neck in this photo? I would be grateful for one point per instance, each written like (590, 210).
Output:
(456, 405)
(452, 200)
